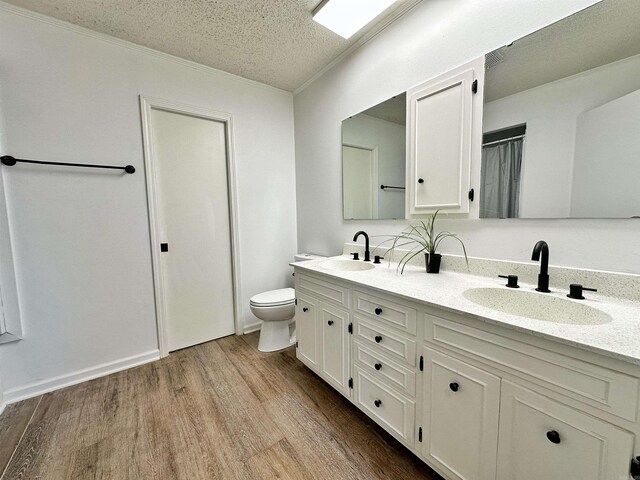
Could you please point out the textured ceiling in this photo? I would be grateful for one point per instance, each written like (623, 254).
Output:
(392, 110)
(271, 41)
(601, 34)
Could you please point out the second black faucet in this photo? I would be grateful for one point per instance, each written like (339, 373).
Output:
(367, 257)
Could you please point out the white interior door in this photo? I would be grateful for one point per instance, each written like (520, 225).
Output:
(190, 170)
(358, 177)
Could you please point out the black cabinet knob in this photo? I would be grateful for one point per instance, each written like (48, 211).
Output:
(553, 436)
(378, 366)
(454, 387)
(378, 311)
(421, 180)
(377, 403)
(330, 322)
(305, 309)
(378, 338)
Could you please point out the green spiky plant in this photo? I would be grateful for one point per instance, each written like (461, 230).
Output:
(420, 238)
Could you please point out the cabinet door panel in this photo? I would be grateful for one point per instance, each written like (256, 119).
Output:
(439, 134)
(335, 346)
(542, 438)
(461, 405)
(307, 331)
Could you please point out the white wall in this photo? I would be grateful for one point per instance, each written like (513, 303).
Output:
(81, 238)
(551, 113)
(389, 138)
(607, 161)
(434, 37)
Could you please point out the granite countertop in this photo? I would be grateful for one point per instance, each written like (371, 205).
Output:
(619, 338)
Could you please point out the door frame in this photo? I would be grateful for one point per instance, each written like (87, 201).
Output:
(374, 178)
(146, 105)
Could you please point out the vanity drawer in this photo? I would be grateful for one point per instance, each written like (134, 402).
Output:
(393, 410)
(383, 340)
(323, 290)
(605, 389)
(380, 366)
(392, 313)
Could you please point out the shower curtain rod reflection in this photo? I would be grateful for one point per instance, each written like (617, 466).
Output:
(9, 161)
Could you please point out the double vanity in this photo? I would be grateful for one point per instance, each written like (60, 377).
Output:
(479, 380)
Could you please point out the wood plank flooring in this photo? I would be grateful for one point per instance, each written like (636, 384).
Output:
(220, 410)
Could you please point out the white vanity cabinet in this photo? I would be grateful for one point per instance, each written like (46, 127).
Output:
(322, 330)
(442, 114)
(461, 404)
(474, 400)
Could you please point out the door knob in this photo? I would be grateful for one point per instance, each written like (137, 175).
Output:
(378, 366)
(378, 311)
(305, 309)
(330, 322)
(378, 338)
(377, 403)
(454, 387)
(421, 180)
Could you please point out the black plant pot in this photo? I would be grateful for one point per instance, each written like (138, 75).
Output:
(433, 262)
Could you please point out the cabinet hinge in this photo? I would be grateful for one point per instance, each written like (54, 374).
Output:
(472, 194)
(635, 468)
(350, 328)
(297, 343)
(351, 383)
(421, 363)
(296, 301)
(420, 434)
(474, 86)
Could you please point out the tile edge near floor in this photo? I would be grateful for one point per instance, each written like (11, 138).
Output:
(56, 383)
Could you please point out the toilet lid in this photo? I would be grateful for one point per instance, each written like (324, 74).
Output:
(274, 298)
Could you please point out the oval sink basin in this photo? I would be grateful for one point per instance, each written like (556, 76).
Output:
(538, 306)
(346, 265)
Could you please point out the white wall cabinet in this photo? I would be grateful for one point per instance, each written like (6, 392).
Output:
(442, 115)
(474, 401)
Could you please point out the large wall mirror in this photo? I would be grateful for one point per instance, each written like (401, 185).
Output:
(562, 119)
(373, 161)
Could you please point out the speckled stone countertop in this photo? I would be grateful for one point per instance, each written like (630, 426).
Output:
(619, 338)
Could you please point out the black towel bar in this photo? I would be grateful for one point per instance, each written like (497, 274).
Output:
(10, 161)
(384, 187)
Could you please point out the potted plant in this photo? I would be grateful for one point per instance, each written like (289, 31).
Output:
(422, 238)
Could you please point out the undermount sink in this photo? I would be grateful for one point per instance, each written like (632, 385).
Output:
(538, 306)
(346, 265)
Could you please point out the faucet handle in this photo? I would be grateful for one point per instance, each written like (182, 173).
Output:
(512, 281)
(575, 291)
(377, 259)
(356, 255)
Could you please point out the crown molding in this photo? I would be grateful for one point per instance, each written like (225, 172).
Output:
(23, 12)
(400, 11)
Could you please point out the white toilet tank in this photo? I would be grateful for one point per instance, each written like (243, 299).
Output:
(301, 257)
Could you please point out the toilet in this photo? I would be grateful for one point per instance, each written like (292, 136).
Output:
(276, 309)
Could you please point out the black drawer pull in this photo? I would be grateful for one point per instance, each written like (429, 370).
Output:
(378, 366)
(330, 322)
(553, 436)
(377, 403)
(378, 311)
(454, 387)
(305, 309)
(378, 338)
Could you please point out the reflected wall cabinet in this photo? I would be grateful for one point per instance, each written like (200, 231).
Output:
(443, 137)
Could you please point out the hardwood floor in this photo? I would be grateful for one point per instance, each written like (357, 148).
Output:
(220, 410)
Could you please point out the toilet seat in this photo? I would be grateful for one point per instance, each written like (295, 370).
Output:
(274, 298)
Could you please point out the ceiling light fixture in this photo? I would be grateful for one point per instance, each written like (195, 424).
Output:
(346, 17)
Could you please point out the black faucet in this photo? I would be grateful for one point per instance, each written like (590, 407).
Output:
(366, 244)
(543, 276)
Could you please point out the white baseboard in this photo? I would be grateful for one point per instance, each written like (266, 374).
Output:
(56, 383)
(252, 327)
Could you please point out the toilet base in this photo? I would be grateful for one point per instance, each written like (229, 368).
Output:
(275, 336)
